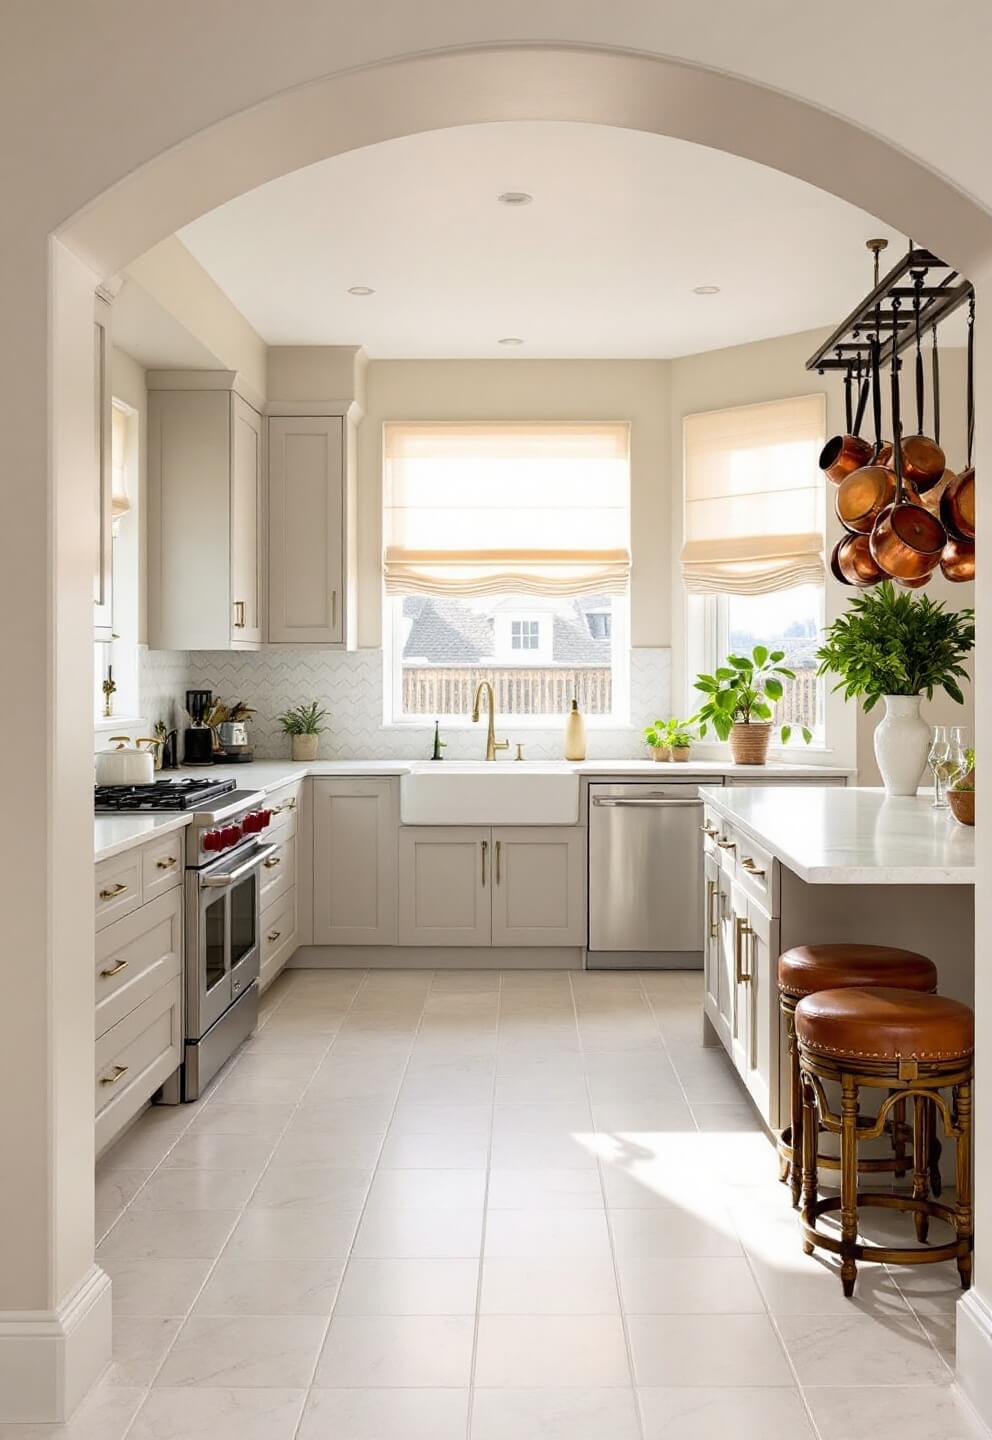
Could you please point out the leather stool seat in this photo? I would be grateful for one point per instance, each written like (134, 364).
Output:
(806, 969)
(885, 1024)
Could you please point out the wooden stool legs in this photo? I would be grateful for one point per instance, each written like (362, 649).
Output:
(963, 1218)
(848, 1181)
(797, 1107)
(922, 1140)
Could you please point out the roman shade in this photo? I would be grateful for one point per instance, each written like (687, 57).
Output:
(491, 509)
(754, 497)
(120, 500)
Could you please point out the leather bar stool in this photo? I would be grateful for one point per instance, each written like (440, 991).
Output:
(913, 1046)
(804, 970)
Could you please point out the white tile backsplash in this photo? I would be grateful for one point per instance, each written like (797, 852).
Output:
(349, 686)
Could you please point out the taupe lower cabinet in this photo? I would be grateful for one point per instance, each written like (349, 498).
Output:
(354, 844)
(500, 886)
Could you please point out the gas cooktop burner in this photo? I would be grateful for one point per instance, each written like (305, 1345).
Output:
(179, 794)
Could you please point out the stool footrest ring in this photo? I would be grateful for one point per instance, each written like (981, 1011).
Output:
(886, 1254)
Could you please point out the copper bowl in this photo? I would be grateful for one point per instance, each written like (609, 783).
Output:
(957, 560)
(844, 454)
(855, 562)
(923, 462)
(835, 569)
(907, 541)
(862, 497)
(962, 803)
(957, 505)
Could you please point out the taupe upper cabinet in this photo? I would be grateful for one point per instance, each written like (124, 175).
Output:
(311, 517)
(205, 513)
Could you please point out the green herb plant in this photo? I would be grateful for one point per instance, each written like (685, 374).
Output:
(304, 720)
(744, 692)
(670, 734)
(890, 643)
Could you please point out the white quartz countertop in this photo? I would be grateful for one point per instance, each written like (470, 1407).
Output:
(851, 836)
(117, 833)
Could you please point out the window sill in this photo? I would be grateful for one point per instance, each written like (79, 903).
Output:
(105, 723)
(507, 722)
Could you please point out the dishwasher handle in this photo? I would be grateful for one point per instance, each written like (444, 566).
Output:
(650, 804)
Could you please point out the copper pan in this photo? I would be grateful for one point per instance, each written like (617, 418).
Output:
(844, 454)
(917, 584)
(835, 569)
(862, 497)
(957, 560)
(854, 562)
(923, 462)
(907, 541)
(957, 505)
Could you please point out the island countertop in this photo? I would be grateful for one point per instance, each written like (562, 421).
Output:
(853, 835)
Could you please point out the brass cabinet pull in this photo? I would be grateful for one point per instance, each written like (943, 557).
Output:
(286, 805)
(273, 936)
(726, 844)
(709, 832)
(112, 891)
(115, 969)
(119, 1072)
(752, 869)
(712, 892)
(272, 862)
(166, 863)
(485, 854)
(239, 614)
(741, 929)
(334, 609)
(499, 848)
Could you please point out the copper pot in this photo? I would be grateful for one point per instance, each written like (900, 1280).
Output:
(907, 541)
(862, 497)
(835, 569)
(916, 584)
(957, 505)
(855, 562)
(923, 462)
(844, 454)
(957, 560)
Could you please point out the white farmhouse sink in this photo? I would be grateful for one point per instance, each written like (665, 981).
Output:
(497, 792)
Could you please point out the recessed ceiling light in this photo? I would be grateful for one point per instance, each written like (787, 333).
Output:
(514, 197)
(510, 340)
(360, 290)
(706, 290)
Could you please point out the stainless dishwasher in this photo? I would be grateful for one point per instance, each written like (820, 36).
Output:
(645, 876)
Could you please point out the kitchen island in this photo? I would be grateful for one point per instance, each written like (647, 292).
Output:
(812, 865)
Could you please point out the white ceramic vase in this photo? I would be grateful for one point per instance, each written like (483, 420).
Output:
(902, 741)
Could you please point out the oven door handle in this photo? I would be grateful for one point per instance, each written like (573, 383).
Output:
(228, 877)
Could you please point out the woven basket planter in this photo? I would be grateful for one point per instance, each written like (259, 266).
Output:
(749, 743)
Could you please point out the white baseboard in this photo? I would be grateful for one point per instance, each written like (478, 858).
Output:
(49, 1359)
(440, 957)
(974, 1352)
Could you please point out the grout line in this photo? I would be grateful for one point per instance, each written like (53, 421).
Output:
(606, 1214)
(485, 1220)
(244, 1206)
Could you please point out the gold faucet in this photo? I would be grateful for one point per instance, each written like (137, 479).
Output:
(492, 744)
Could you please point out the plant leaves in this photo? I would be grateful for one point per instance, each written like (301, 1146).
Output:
(774, 688)
(760, 654)
(786, 733)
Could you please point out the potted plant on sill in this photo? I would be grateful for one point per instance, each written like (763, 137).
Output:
(961, 792)
(304, 724)
(894, 647)
(740, 704)
(670, 739)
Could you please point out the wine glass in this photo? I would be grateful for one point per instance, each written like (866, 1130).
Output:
(957, 763)
(937, 759)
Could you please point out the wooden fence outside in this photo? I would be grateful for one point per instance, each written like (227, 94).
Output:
(450, 690)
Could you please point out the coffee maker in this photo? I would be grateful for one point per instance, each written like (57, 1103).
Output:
(198, 738)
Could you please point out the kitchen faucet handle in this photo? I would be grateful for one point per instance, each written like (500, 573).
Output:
(520, 750)
(501, 744)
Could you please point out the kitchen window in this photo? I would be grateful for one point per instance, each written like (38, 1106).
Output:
(506, 558)
(752, 560)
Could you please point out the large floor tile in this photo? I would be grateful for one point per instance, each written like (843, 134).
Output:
(670, 1232)
(706, 1350)
(578, 1413)
(155, 1287)
(525, 1234)
(470, 1122)
(381, 1414)
(681, 1286)
(140, 1345)
(305, 1187)
(911, 1412)
(195, 1190)
(255, 1119)
(168, 1235)
(564, 1150)
(428, 1190)
(219, 1414)
(545, 1189)
(434, 1151)
(708, 1413)
(293, 1233)
(542, 1286)
(858, 1349)
(397, 1350)
(105, 1414)
(302, 1144)
(551, 1351)
(271, 1351)
(419, 1234)
(409, 1287)
(270, 1287)
(199, 1151)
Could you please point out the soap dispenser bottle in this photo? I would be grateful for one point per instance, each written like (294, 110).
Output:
(575, 734)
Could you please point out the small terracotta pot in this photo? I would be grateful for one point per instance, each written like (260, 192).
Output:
(660, 752)
(680, 752)
(305, 747)
(962, 803)
(749, 742)
(957, 560)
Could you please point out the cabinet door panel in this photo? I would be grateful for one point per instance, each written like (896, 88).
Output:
(538, 895)
(717, 995)
(246, 509)
(445, 878)
(306, 530)
(761, 1075)
(355, 825)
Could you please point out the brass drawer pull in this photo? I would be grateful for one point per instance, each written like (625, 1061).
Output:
(273, 936)
(272, 862)
(286, 805)
(239, 614)
(714, 922)
(115, 969)
(485, 856)
(709, 832)
(119, 1072)
(741, 929)
(499, 847)
(726, 844)
(112, 891)
(752, 869)
(166, 863)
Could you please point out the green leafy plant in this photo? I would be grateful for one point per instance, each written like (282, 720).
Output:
(744, 692)
(304, 720)
(890, 643)
(670, 734)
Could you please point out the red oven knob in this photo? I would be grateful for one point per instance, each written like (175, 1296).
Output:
(231, 834)
(213, 840)
(249, 823)
(266, 817)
